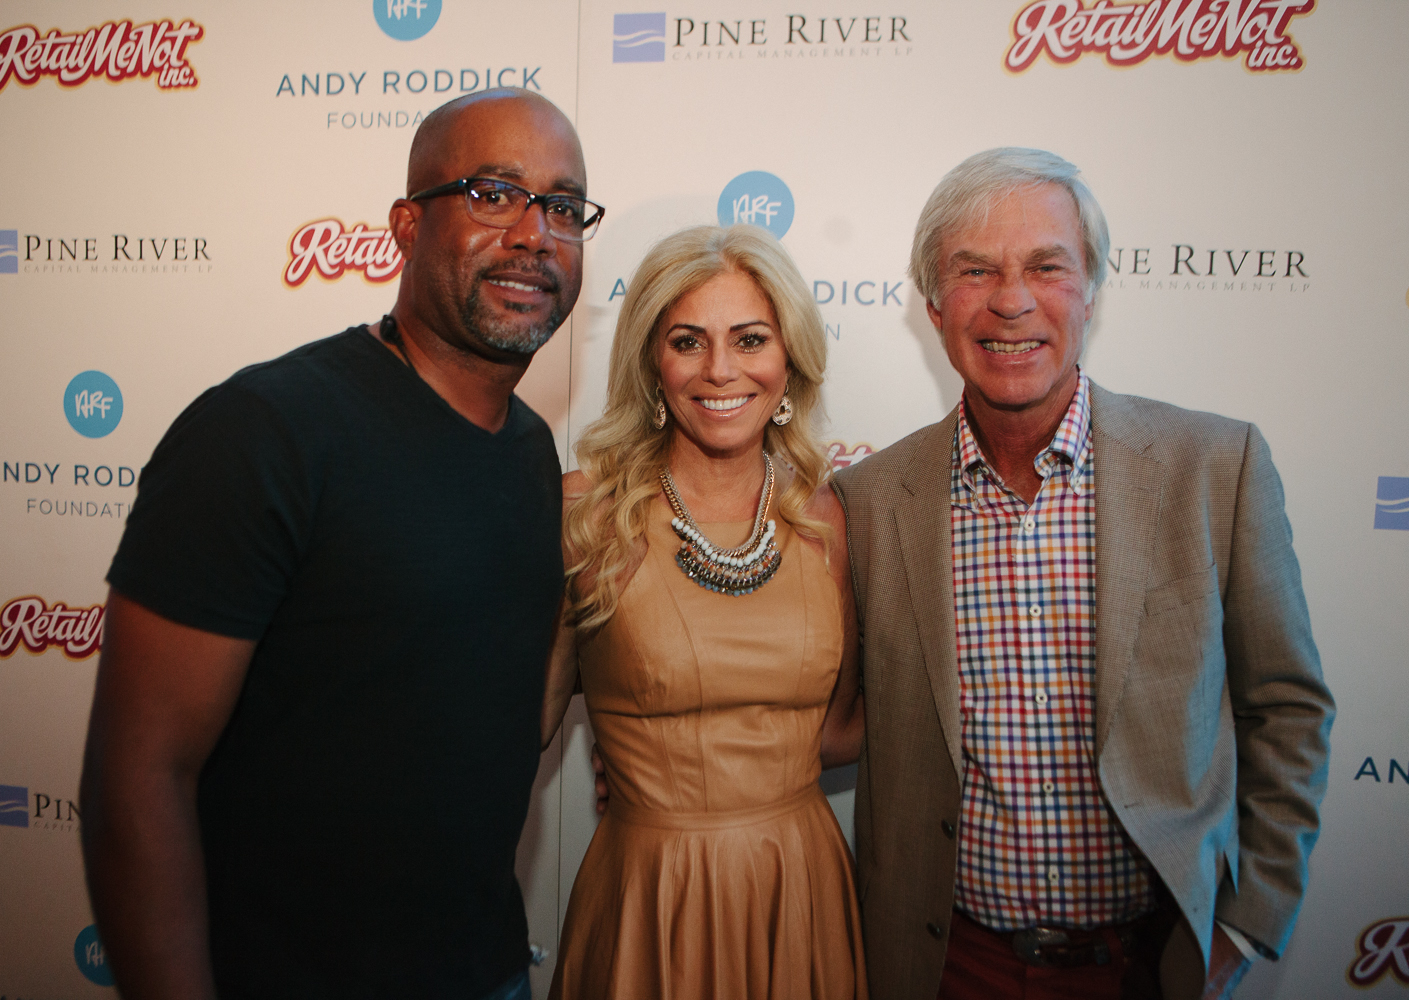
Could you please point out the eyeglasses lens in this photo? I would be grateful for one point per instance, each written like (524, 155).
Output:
(503, 205)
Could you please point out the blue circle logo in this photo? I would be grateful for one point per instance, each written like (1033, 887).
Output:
(91, 958)
(93, 404)
(758, 198)
(406, 20)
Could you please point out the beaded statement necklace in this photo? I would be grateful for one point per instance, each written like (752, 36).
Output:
(735, 571)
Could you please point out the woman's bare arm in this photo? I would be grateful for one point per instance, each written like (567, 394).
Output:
(561, 681)
(844, 724)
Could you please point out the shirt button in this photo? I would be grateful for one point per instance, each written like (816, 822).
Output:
(1035, 611)
(1053, 875)
(1029, 524)
(1040, 697)
(1048, 787)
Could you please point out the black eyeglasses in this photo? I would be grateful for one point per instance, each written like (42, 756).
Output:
(501, 205)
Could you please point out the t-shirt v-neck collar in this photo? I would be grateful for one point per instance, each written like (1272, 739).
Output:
(406, 371)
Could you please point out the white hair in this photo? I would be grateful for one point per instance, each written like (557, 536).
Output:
(967, 191)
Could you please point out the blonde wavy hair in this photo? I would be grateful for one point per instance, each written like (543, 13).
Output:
(622, 453)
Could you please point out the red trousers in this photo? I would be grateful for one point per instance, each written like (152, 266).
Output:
(981, 965)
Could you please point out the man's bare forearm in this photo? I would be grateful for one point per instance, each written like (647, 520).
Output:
(163, 695)
(146, 878)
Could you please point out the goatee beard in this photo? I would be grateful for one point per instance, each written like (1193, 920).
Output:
(506, 335)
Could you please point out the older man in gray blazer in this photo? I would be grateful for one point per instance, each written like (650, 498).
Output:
(1096, 729)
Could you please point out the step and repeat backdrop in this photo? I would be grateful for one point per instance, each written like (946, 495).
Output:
(190, 188)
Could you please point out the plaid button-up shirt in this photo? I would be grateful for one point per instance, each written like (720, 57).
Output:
(1039, 844)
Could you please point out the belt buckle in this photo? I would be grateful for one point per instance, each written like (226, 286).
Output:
(1028, 944)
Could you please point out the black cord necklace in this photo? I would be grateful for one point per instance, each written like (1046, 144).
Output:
(391, 333)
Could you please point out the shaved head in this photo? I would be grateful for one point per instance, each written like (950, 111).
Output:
(431, 161)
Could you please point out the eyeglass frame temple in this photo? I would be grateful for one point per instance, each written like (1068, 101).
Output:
(462, 186)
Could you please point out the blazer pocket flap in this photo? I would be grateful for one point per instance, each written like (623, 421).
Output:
(1185, 590)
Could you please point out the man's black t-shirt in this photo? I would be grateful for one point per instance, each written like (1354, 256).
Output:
(400, 568)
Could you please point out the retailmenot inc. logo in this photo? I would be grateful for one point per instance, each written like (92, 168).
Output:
(1189, 30)
(1382, 949)
(332, 249)
(118, 50)
(31, 621)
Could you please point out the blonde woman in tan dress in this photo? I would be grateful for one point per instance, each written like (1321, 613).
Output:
(710, 618)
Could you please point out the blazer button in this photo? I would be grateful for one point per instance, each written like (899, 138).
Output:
(948, 828)
(935, 929)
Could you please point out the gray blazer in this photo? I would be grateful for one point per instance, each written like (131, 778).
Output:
(1212, 719)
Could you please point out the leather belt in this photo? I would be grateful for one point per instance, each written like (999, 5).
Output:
(1069, 948)
(1063, 948)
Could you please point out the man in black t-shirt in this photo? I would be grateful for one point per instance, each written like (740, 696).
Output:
(316, 724)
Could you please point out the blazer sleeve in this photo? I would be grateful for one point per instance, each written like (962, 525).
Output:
(1282, 710)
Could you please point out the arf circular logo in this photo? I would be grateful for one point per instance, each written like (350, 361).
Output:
(406, 20)
(92, 960)
(93, 404)
(758, 198)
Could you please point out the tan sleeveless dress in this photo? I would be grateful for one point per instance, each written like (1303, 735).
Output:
(719, 869)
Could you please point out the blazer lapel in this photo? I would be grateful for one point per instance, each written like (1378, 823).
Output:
(1128, 489)
(923, 523)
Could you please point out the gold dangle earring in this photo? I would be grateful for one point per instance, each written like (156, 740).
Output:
(658, 419)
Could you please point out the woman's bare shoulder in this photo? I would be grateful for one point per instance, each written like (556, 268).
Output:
(575, 485)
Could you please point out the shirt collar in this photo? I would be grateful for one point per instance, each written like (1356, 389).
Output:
(1071, 443)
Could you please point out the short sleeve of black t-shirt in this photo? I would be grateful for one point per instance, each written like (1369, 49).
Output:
(223, 513)
(400, 569)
